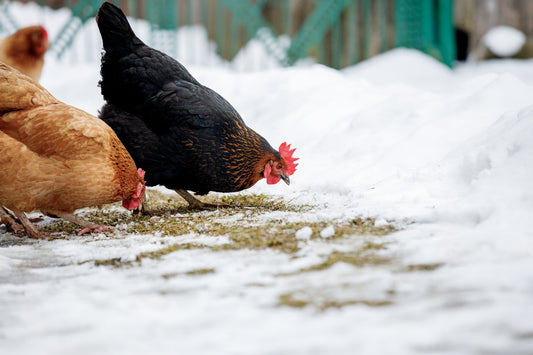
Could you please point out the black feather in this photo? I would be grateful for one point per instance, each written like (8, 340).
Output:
(185, 135)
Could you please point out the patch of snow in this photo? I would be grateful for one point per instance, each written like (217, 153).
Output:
(304, 233)
(401, 66)
(381, 222)
(327, 232)
(504, 41)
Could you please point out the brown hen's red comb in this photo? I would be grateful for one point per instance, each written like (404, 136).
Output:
(286, 153)
(44, 32)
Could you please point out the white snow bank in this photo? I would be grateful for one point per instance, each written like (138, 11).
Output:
(401, 65)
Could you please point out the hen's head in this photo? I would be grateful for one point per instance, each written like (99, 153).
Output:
(136, 200)
(32, 40)
(280, 169)
(39, 39)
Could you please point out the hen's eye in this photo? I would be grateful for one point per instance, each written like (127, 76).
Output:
(278, 166)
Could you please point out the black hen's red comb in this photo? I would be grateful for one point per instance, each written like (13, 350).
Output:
(286, 153)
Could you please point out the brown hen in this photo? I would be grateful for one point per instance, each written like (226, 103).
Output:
(24, 50)
(56, 158)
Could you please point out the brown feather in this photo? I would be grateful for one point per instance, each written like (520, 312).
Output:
(54, 157)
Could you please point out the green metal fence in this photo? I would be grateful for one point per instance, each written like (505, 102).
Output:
(426, 25)
(337, 33)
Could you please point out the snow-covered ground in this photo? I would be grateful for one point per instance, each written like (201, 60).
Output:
(447, 155)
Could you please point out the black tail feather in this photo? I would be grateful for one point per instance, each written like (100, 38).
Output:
(114, 28)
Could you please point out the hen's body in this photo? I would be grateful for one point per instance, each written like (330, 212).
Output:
(184, 134)
(24, 50)
(55, 157)
(185, 156)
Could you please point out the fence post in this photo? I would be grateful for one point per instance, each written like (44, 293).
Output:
(446, 32)
(421, 25)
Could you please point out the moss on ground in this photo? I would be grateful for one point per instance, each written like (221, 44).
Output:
(297, 300)
(358, 257)
(241, 220)
(422, 267)
(195, 272)
(245, 221)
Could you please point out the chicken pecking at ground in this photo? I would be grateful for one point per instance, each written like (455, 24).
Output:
(185, 135)
(24, 50)
(56, 158)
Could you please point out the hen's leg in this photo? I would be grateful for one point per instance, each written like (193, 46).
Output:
(30, 229)
(88, 227)
(194, 203)
(12, 225)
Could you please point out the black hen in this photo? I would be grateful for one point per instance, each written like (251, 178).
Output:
(185, 135)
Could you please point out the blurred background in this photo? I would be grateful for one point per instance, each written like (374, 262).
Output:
(337, 33)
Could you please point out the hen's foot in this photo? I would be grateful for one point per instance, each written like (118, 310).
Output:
(95, 229)
(30, 230)
(88, 227)
(11, 222)
(195, 204)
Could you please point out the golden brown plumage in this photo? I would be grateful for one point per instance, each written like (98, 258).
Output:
(24, 50)
(57, 158)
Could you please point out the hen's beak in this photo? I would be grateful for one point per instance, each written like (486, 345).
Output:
(285, 178)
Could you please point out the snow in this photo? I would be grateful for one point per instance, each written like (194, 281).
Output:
(446, 155)
(504, 41)
(328, 232)
(304, 233)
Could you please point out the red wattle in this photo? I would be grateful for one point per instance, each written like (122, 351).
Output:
(273, 179)
(130, 204)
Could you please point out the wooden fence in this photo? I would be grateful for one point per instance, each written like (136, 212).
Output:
(337, 33)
